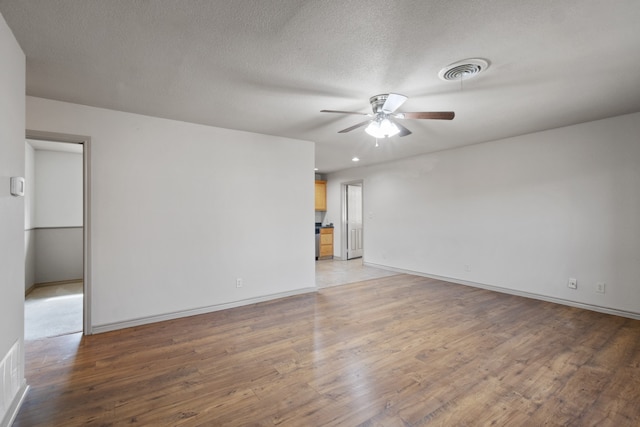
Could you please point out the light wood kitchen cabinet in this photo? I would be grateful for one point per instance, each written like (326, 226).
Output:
(321, 195)
(326, 243)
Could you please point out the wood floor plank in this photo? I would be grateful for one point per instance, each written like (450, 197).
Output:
(395, 351)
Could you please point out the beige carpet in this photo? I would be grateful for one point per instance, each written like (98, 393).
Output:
(54, 310)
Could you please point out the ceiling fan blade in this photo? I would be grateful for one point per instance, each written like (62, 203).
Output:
(436, 115)
(344, 112)
(403, 130)
(393, 102)
(349, 129)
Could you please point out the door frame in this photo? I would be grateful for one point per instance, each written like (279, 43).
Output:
(86, 214)
(343, 218)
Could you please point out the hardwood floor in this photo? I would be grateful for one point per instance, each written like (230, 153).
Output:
(393, 351)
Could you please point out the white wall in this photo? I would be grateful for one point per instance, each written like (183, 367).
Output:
(12, 107)
(53, 216)
(58, 216)
(179, 211)
(58, 254)
(30, 185)
(58, 189)
(524, 213)
(29, 217)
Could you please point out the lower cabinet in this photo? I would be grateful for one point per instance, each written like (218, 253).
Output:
(326, 243)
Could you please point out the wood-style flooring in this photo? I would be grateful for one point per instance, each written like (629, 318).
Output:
(393, 351)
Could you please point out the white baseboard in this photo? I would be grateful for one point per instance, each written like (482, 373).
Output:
(12, 411)
(531, 295)
(194, 312)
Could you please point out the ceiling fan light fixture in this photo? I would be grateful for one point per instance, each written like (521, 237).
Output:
(384, 128)
(382, 124)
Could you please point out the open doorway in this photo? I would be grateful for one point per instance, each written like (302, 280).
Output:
(56, 235)
(53, 239)
(352, 220)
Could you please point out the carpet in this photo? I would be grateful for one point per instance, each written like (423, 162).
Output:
(53, 310)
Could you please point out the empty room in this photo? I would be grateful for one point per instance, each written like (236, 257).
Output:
(471, 169)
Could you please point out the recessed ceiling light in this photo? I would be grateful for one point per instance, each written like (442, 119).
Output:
(315, 169)
(355, 159)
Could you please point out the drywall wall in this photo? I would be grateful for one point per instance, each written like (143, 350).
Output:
(58, 189)
(29, 189)
(29, 217)
(53, 216)
(175, 212)
(29, 259)
(12, 163)
(58, 233)
(58, 254)
(523, 213)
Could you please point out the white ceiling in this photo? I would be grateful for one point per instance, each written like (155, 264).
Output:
(270, 66)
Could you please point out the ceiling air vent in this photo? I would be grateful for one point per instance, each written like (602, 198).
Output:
(463, 70)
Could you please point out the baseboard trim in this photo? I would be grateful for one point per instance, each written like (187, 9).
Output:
(592, 307)
(97, 329)
(62, 227)
(12, 411)
(29, 289)
(58, 282)
(43, 284)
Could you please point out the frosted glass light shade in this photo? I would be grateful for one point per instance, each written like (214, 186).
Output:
(382, 129)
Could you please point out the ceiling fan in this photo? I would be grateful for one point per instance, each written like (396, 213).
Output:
(382, 123)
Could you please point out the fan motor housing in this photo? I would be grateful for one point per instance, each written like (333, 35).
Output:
(377, 102)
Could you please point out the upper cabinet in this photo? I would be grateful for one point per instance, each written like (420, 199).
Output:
(321, 195)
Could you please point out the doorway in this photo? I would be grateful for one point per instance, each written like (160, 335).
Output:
(352, 220)
(57, 235)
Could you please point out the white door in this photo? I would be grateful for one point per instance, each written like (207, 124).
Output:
(354, 221)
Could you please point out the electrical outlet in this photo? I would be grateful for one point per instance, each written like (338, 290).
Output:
(467, 267)
(600, 287)
(572, 283)
(238, 282)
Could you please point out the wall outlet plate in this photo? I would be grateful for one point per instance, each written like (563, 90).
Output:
(572, 283)
(600, 287)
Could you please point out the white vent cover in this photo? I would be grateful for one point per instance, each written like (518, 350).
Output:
(463, 70)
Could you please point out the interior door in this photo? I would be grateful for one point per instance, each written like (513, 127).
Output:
(354, 221)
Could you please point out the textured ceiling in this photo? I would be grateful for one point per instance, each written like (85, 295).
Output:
(271, 66)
